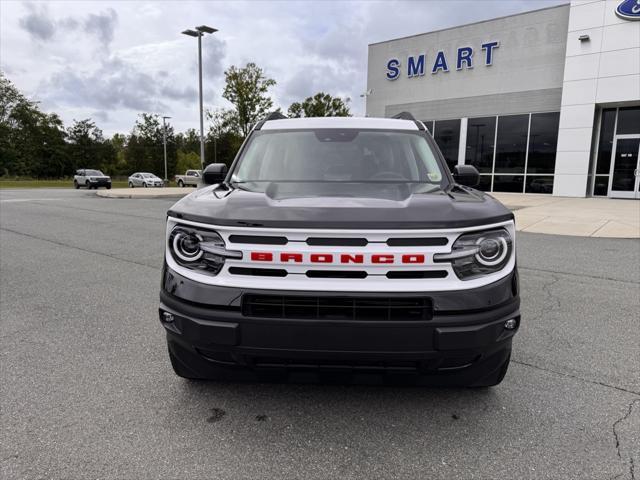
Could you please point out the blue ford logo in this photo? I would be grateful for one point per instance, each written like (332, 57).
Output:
(629, 10)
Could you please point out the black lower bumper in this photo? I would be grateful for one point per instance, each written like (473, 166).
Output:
(465, 334)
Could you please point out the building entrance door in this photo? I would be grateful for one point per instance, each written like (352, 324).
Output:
(625, 167)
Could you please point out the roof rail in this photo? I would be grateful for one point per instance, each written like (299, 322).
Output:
(270, 116)
(409, 116)
(404, 116)
(277, 115)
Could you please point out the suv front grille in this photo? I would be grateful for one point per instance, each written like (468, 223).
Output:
(337, 308)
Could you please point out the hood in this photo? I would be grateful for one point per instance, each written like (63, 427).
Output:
(366, 207)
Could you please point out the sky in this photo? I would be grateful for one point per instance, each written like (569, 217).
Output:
(112, 60)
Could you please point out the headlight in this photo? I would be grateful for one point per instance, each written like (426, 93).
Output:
(199, 249)
(477, 254)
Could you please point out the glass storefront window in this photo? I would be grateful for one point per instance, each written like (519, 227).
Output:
(601, 185)
(447, 136)
(511, 147)
(539, 184)
(543, 140)
(480, 142)
(628, 121)
(508, 183)
(485, 183)
(605, 144)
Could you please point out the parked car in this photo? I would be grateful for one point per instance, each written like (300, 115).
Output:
(191, 177)
(341, 244)
(143, 179)
(91, 179)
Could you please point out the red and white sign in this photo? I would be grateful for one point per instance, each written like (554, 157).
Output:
(340, 258)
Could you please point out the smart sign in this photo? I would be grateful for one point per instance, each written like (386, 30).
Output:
(418, 65)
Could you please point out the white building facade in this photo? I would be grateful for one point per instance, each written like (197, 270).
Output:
(544, 102)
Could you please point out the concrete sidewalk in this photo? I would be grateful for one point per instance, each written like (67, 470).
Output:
(583, 217)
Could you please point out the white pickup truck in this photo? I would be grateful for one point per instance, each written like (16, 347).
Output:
(191, 177)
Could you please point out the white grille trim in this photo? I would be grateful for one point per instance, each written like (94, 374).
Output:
(376, 281)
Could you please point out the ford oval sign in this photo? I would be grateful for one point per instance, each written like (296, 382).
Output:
(629, 10)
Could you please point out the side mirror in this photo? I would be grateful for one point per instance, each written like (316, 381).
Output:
(214, 173)
(466, 175)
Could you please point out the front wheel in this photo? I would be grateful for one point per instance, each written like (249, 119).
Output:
(180, 183)
(88, 185)
(108, 187)
(75, 185)
(144, 185)
(130, 185)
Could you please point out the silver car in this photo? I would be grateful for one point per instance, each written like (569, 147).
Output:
(143, 179)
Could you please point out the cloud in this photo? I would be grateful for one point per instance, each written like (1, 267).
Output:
(312, 79)
(40, 24)
(114, 84)
(177, 93)
(37, 22)
(214, 54)
(102, 25)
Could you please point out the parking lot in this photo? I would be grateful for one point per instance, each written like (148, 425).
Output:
(88, 391)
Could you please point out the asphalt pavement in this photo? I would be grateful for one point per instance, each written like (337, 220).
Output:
(87, 390)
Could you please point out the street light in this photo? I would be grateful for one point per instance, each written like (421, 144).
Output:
(365, 95)
(199, 33)
(164, 141)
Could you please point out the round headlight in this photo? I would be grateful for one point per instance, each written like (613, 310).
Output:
(186, 245)
(492, 250)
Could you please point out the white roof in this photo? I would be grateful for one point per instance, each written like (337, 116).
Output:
(340, 122)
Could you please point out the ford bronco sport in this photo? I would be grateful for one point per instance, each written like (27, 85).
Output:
(340, 245)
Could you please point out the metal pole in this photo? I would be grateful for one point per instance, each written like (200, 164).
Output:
(201, 112)
(164, 141)
(215, 150)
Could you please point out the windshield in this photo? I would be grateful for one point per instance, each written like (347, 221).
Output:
(94, 173)
(344, 157)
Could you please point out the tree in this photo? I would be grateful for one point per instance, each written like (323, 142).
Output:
(320, 105)
(223, 139)
(187, 161)
(85, 140)
(247, 89)
(32, 143)
(145, 150)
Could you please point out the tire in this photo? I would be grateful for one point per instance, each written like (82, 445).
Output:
(88, 185)
(75, 185)
(130, 185)
(108, 187)
(180, 183)
(145, 185)
(495, 377)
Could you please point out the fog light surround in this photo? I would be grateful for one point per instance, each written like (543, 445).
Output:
(511, 324)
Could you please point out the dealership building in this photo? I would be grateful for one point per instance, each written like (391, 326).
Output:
(546, 101)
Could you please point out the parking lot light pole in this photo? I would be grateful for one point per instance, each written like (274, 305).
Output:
(365, 95)
(199, 33)
(164, 141)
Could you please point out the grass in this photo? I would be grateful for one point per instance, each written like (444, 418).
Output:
(50, 184)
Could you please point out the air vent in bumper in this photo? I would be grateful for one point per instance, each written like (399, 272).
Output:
(337, 308)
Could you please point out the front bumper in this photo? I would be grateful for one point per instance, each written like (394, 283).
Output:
(100, 183)
(465, 333)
